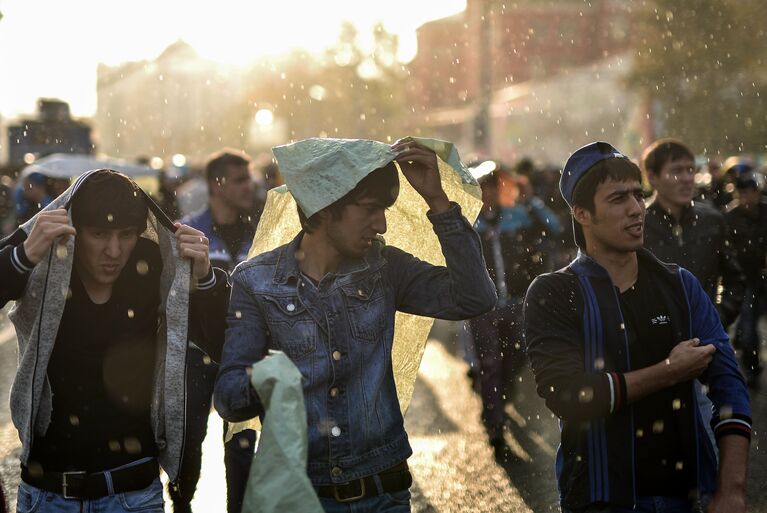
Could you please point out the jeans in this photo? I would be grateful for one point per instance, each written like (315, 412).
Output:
(655, 504)
(34, 500)
(238, 452)
(395, 502)
(500, 350)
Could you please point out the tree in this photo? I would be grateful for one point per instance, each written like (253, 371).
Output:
(702, 62)
(344, 92)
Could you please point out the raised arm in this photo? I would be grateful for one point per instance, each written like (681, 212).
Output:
(19, 253)
(460, 290)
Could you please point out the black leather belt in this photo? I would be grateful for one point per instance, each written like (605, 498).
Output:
(81, 485)
(395, 479)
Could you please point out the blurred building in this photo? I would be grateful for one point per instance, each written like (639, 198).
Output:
(52, 131)
(176, 103)
(531, 67)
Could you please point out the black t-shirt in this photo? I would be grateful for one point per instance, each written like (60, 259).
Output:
(101, 372)
(661, 465)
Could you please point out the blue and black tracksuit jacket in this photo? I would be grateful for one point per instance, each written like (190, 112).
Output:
(578, 347)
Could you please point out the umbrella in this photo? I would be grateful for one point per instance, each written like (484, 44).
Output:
(63, 165)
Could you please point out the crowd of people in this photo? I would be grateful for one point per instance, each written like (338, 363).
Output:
(616, 281)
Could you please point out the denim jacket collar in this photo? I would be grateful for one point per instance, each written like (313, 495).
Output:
(287, 265)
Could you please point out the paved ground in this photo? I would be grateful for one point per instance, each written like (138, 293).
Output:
(453, 467)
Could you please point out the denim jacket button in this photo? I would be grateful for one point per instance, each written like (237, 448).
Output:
(291, 307)
(360, 292)
(336, 355)
(335, 431)
(336, 471)
(333, 392)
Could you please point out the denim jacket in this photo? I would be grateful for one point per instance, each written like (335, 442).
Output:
(340, 334)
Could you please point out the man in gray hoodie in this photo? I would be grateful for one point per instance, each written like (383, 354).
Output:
(108, 293)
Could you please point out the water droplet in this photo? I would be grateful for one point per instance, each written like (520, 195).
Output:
(132, 445)
(586, 395)
(142, 267)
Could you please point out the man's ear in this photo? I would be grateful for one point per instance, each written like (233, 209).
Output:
(582, 215)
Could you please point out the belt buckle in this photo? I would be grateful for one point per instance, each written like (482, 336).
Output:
(64, 485)
(338, 498)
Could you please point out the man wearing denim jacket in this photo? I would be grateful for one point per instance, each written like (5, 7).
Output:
(328, 300)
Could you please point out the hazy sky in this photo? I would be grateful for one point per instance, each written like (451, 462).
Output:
(51, 47)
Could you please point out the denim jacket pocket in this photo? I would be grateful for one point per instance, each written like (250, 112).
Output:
(366, 308)
(293, 330)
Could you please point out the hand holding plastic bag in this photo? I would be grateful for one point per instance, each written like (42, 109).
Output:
(278, 481)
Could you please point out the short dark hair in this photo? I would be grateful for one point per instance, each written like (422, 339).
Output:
(381, 184)
(219, 163)
(662, 151)
(617, 169)
(110, 200)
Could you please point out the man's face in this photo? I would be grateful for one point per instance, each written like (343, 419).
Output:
(675, 182)
(360, 222)
(749, 197)
(617, 223)
(236, 188)
(101, 254)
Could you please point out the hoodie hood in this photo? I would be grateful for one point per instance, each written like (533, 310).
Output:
(37, 315)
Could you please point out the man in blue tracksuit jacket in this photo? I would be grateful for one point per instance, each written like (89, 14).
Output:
(616, 340)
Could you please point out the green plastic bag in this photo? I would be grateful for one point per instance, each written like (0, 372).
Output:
(278, 481)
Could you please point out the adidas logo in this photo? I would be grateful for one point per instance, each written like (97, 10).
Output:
(661, 319)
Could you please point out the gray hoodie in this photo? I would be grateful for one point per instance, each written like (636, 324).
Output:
(37, 314)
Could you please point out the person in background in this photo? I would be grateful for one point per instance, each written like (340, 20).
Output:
(690, 233)
(31, 196)
(747, 217)
(512, 242)
(7, 207)
(227, 222)
(168, 182)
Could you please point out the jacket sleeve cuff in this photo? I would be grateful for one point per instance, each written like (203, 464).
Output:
(736, 424)
(20, 260)
(617, 390)
(449, 221)
(208, 282)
